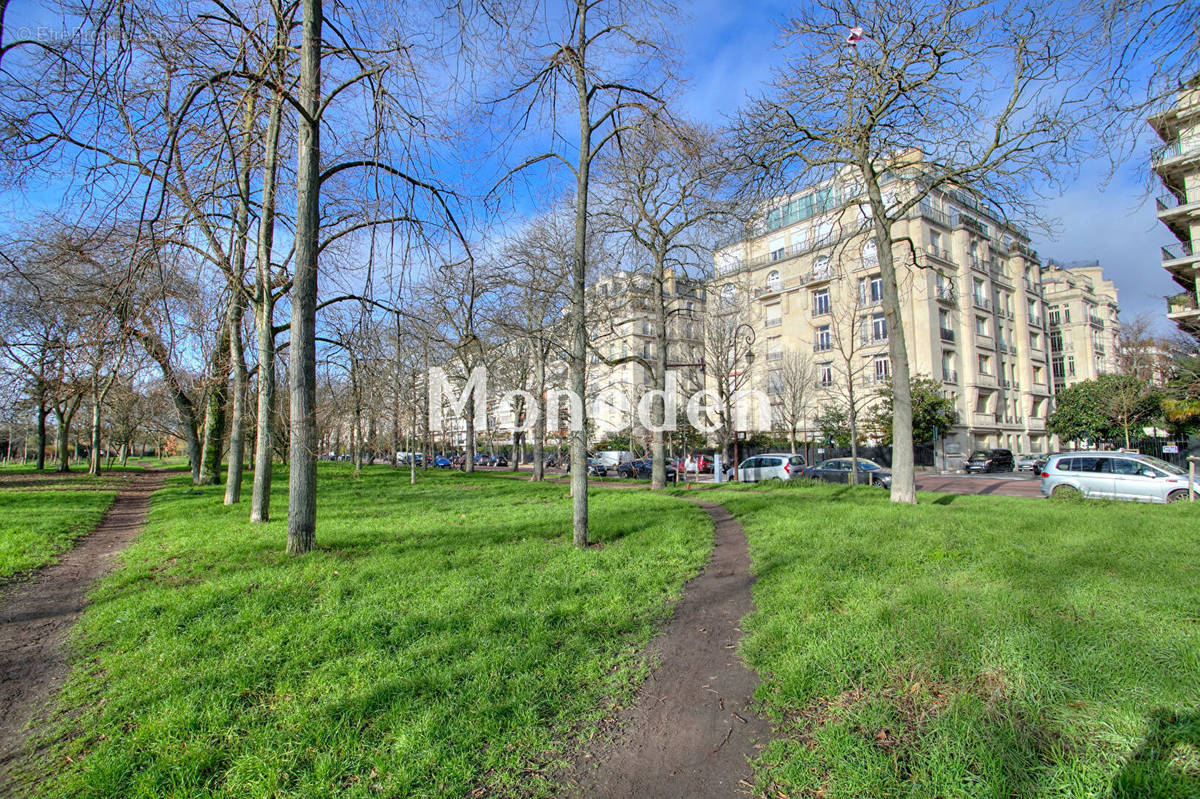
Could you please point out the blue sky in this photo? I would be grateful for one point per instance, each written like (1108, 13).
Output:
(727, 50)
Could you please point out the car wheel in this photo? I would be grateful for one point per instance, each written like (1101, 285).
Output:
(1066, 492)
(1177, 496)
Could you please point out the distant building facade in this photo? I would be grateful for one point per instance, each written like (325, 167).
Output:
(1083, 322)
(971, 303)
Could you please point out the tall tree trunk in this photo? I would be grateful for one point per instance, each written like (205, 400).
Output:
(237, 418)
(264, 320)
(853, 413)
(658, 409)
(214, 414)
(41, 433)
(903, 478)
(578, 311)
(94, 462)
(539, 429)
(302, 359)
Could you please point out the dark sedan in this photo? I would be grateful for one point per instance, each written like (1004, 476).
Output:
(642, 469)
(837, 470)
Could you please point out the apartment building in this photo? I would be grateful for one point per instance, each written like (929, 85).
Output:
(621, 309)
(1082, 322)
(971, 305)
(1177, 164)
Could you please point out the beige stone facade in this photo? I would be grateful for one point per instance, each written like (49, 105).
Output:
(1177, 164)
(971, 302)
(1083, 323)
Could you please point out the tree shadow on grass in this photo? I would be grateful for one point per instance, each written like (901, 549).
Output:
(1167, 764)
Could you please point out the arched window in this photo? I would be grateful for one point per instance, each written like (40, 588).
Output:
(870, 253)
(773, 281)
(821, 267)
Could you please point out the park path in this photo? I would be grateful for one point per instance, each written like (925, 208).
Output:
(690, 732)
(35, 617)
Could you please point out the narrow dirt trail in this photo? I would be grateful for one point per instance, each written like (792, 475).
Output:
(689, 732)
(36, 616)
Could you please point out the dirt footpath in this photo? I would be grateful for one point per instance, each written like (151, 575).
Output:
(36, 616)
(690, 732)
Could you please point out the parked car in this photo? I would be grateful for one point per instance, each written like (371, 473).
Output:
(642, 469)
(483, 459)
(1028, 463)
(442, 462)
(990, 460)
(770, 466)
(837, 470)
(597, 468)
(1114, 475)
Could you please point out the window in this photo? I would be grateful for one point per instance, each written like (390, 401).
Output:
(1066, 314)
(1070, 366)
(883, 368)
(820, 302)
(1035, 341)
(773, 280)
(777, 249)
(773, 318)
(981, 326)
(944, 321)
(825, 373)
(824, 231)
(821, 267)
(875, 290)
(1033, 309)
(1038, 374)
(1060, 372)
(870, 253)
(728, 294)
(823, 341)
(985, 364)
(935, 241)
(775, 349)
(1056, 341)
(948, 372)
(1053, 315)
(878, 328)
(775, 382)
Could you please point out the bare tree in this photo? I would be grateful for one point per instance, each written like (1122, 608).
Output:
(890, 104)
(606, 58)
(791, 384)
(666, 191)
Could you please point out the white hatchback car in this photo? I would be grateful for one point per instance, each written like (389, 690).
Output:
(1114, 475)
(770, 466)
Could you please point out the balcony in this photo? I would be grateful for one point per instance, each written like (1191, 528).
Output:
(981, 302)
(942, 255)
(1176, 252)
(1095, 321)
(946, 334)
(822, 346)
(1172, 150)
(1184, 303)
(1168, 202)
(776, 322)
(934, 215)
(972, 224)
(984, 419)
(1035, 424)
(950, 376)
(946, 294)
(978, 264)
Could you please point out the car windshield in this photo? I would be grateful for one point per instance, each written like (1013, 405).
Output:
(979, 454)
(1169, 468)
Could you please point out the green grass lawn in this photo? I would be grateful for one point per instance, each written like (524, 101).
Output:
(446, 639)
(37, 526)
(974, 646)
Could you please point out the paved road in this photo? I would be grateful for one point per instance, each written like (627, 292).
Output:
(1004, 484)
(1014, 484)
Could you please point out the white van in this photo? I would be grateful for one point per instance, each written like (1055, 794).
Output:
(612, 458)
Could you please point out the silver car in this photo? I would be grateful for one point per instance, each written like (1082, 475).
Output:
(771, 466)
(1113, 475)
